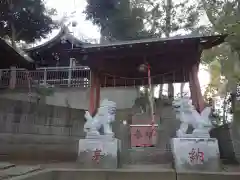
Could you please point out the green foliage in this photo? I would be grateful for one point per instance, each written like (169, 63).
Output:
(45, 91)
(25, 20)
(136, 19)
(118, 19)
(171, 16)
(215, 71)
(224, 17)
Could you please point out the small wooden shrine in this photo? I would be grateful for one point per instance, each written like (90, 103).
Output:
(171, 60)
(53, 52)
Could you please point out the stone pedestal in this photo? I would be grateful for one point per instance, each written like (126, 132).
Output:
(197, 154)
(99, 152)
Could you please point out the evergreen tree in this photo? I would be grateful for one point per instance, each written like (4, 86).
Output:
(223, 61)
(118, 19)
(25, 20)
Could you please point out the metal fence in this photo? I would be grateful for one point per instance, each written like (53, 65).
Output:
(55, 76)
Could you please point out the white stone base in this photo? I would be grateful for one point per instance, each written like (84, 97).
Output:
(108, 148)
(198, 154)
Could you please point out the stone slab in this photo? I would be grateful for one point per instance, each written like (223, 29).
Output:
(17, 171)
(5, 165)
(98, 153)
(196, 154)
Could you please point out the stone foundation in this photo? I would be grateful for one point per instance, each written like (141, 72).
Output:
(198, 154)
(99, 153)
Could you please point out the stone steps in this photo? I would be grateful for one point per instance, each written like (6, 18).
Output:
(8, 170)
(148, 155)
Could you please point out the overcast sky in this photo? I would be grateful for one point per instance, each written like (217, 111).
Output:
(66, 8)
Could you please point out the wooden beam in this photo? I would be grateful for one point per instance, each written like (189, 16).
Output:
(92, 94)
(98, 92)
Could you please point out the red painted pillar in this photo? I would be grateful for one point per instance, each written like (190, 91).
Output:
(92, 94)
(195, 89)
(98, 92)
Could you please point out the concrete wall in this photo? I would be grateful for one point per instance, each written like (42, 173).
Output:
(30, 131)
(22, 117)
(78, 98)
(41, 148)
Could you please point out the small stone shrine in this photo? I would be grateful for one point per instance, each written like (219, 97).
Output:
(196, 150)
(99, 150)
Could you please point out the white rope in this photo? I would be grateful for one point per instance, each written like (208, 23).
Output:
(153, 129)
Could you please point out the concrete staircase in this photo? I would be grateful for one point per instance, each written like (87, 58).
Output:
(9, 170)
(149, 156)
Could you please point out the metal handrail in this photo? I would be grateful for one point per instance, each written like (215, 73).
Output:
(57, 76)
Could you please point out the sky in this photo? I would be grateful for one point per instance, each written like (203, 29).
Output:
(85, 29)
(66, 8)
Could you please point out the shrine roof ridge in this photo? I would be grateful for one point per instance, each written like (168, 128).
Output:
(204, 40)
(63, 33)
(22, 59)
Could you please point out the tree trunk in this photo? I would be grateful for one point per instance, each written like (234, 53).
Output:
(13, 29)
(170, 91)
(235, 125)
(224, 110)
(181, 89)
(167, 33)
(161, 91)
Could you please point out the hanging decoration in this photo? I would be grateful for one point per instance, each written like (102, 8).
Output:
(146, 68)
(151, 100)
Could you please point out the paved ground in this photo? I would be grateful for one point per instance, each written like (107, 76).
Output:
(8, 170)
(139, 167)
(74, 165)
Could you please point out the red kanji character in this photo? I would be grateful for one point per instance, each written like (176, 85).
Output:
(200, 155)
(97, 155)
(196, 156)
(192, 155)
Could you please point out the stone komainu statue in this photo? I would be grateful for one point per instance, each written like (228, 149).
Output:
(188, 115)
(104, 117)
